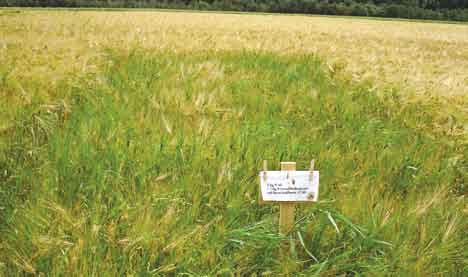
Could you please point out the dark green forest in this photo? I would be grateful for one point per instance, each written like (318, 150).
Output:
(415, 9)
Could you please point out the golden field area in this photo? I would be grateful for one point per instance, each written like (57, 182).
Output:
(418, 57)
(415, 57)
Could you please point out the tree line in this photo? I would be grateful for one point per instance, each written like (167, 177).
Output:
(415, 9)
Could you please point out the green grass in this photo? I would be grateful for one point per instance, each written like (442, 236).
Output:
(150, 168)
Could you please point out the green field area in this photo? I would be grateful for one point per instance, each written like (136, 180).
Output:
(148, 166)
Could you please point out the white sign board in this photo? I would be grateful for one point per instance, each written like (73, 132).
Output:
(289, 185)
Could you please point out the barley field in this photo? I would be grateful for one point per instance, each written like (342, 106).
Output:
(130, 144)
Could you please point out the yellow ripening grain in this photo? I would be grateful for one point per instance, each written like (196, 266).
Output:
(412, 56)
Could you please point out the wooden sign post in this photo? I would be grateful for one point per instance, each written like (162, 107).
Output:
(287, 213)
(288, 187)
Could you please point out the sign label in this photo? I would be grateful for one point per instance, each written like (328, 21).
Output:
(289, 185)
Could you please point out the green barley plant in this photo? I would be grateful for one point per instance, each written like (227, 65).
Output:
(148, 166)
